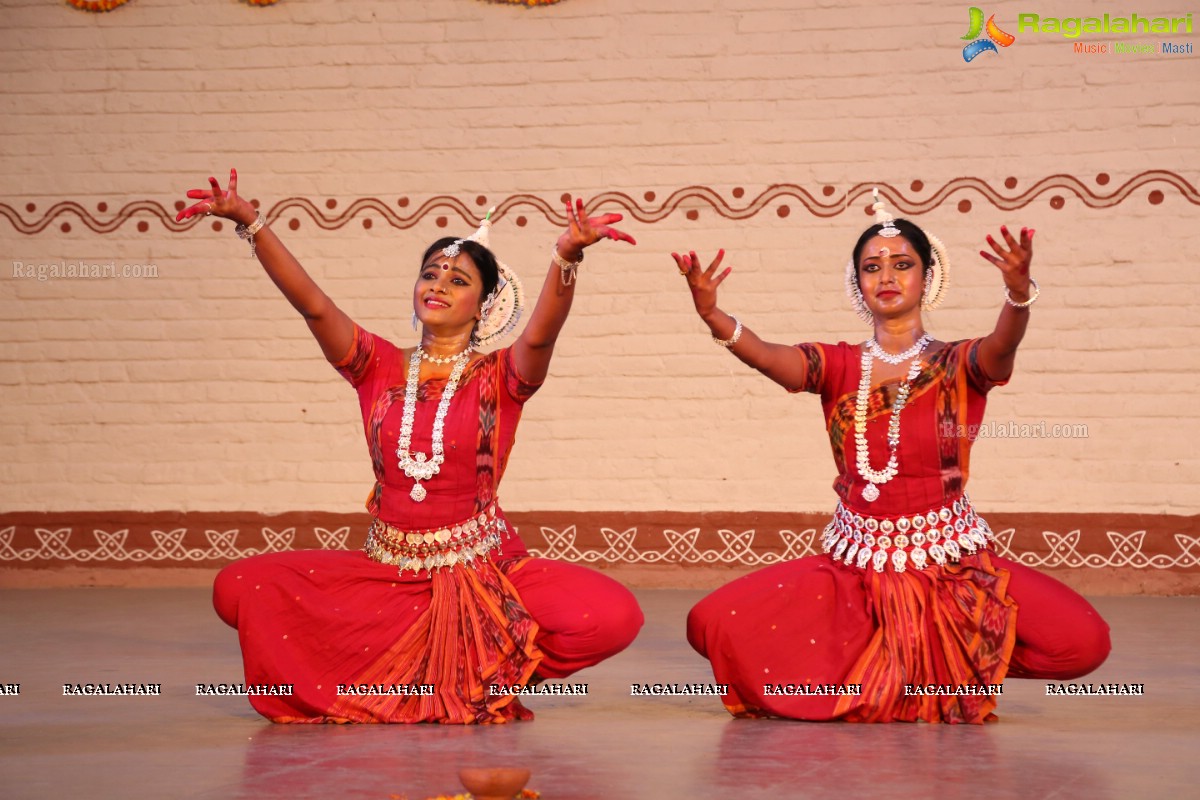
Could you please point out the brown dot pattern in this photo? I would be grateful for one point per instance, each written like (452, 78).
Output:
(1150, 186)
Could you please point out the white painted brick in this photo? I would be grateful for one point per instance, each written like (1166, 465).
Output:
(202, 389)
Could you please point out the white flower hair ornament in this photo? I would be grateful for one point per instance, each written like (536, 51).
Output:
(501, 310)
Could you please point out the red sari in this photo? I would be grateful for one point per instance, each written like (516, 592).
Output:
(329, 623)
(905, 639)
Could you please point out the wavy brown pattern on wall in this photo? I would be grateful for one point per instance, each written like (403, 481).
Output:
(1149, 187)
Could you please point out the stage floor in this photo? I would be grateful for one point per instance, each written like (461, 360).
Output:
(605, 745)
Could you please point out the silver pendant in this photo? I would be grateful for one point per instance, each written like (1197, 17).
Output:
(418, 492)
(870, 493)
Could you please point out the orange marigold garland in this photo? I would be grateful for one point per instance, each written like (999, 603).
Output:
(97, 5)
(524, 794)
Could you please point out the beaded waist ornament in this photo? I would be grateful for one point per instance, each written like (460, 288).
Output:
(935, 537)
(433, 549)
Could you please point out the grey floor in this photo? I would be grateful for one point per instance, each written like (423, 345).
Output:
(605, 745)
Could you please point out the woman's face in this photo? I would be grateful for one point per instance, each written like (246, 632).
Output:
(448, 292)
(891, 276)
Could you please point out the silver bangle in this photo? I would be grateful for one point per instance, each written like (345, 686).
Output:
(732, 340)
(568, 269)
(247, 231)
(1036, 294)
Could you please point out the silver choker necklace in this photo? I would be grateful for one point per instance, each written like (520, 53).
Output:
(445, 359)
(416, 465)
(898, 358)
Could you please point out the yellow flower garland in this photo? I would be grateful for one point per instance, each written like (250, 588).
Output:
(97, 5)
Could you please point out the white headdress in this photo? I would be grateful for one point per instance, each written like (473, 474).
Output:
(502, 308)
(937, 279)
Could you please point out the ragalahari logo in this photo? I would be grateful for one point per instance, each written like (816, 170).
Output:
(994, 37)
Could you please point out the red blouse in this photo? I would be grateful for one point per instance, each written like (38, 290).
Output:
(478, 434)
(938, 424)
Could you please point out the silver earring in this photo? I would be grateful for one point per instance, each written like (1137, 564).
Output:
(416, 322)
(928, 286)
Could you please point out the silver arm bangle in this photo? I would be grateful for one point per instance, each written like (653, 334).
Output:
(1032, 298)
(568, 268)
(247, 231)
(732, 340)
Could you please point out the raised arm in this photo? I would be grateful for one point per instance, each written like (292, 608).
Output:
(333, 330)
(781, 363)
(998, 350)
(532, 351)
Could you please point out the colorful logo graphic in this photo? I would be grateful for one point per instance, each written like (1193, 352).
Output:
(995, 36)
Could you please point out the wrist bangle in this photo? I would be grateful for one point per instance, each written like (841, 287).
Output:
(567, 269)
(732, 340)
(247, 231)
(1036, 294)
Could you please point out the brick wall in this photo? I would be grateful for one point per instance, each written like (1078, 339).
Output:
(200, 389)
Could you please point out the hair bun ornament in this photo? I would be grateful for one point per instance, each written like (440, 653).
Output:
(939, 274)
(501, 310)
(882, 217)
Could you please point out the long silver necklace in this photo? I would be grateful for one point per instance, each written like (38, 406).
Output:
(416, 465)
(876, 477)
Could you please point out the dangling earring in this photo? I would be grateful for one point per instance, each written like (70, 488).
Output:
(416, 322)
(928, 286)
(855, 294)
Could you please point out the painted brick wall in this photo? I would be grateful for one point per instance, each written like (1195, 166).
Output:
(200, 389)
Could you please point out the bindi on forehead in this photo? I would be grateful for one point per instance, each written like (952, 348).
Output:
(894, 248)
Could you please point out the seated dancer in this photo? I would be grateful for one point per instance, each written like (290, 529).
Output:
(910, 593)
(444, 594)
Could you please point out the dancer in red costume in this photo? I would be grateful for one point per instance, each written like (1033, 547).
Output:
(909, 606)
(444, 603)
